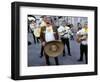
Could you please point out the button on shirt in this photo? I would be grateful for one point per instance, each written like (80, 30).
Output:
(49, 34)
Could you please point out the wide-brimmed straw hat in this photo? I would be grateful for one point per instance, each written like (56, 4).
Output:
(54, 48)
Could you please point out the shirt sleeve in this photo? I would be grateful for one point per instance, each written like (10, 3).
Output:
(79, 32)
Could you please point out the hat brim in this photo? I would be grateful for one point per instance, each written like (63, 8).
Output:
(59, 50)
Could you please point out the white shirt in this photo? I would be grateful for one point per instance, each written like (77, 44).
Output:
(49, 34)
(82, 32)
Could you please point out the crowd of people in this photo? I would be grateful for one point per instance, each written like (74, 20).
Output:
(47, 31)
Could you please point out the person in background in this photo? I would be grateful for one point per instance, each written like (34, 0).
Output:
(34, 28)
(79, 26)
(82, 36)
(42, 19)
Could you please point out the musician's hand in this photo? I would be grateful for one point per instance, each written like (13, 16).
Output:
(43, 43)
(84, 38)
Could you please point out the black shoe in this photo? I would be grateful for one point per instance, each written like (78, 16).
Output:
(86, 62)
(29, 43)
(79, 60)
(57, 64)
(41, 56)
(69, 54)
(48, 64)
(63, 54)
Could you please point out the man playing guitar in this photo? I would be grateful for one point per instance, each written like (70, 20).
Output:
(82, 36)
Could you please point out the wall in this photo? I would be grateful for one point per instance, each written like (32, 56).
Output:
(5, 41)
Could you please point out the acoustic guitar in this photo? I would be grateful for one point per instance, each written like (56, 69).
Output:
(81, 38)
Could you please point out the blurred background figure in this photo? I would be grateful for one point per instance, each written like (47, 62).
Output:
(42, 21)
(72, 30)
(33, 28)
(79, 26)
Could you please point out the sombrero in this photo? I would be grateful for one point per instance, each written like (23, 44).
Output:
(31, 17)
(54, 48)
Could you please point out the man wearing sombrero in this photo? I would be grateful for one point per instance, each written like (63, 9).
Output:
(48, 33)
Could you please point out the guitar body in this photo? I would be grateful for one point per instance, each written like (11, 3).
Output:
(80, 38)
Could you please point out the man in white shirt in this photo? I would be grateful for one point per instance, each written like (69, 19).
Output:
(48, 33)
(32, 26)
(82, 36)
(43, 24)
(65, 33)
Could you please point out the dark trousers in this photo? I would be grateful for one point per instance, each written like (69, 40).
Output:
(84, 50)
(65, 41)
(36, 39)
(47, 57)
(72, 37)
(33, 36)
(48, 61)
(41, 53)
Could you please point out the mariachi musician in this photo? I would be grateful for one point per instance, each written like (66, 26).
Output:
(82, 36)
(48, 33)
(34, 29)
(65, 33)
